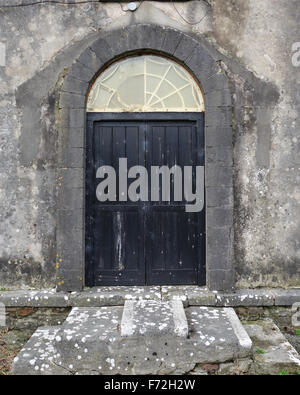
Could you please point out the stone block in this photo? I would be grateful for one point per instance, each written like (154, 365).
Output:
(75, 137)
(218, 136)
(71, 157)
(69, 220)
(114, 296)
(45, 298)
(37, 356)
(246, 297)
(218, 175)
(219, 196)
(150, 318)
(219, 216)
(72, 101)
(219, 118)
(81, 73)
(272, 353)
(145, 37)
(77, 119)
(73, 85)
(203, 66)
(239, 367)
(218, 98)
(190, 295)
(286, 297)
(216, 155)
(219, 261)
(90, 60)
(185, 48)
(171, 40)
(70, 280)
(216, 82)
(70, 198)
(220, 280)
(103, 50)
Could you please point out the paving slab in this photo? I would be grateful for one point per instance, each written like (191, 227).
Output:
(114, 296)
(286, 297)
(246, 297)
(217, 334)
(152, 318)
(272, 353)
(43, 298)
(38, 355)
(190, 295)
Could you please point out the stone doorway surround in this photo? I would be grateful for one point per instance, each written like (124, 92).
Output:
(195, 56)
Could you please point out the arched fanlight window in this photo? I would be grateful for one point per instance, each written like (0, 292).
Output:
(146, 83)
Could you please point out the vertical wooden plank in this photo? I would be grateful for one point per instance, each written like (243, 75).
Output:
(158, 148)
(133, 237)
(132, 145)
(118, 148)
(103, 241)
(119, 237)
(188, 240)
(102, 146)
(171, 242)
(156, 235)
(158, 145)
(171, 154)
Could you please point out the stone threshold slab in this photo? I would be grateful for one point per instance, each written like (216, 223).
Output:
(151, 317)
(116, 296)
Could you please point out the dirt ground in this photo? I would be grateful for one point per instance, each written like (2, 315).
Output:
(9, 348)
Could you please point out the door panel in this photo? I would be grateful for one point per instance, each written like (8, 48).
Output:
(115, 252)
(173, 246)
(137, 243)
(118, 258)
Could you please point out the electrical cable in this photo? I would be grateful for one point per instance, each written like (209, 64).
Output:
(91, 2)
(50, 2)
(185, 20)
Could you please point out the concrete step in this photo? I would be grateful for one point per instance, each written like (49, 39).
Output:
(272, 353)
(146, 337)
(152, 318)
(38, 355)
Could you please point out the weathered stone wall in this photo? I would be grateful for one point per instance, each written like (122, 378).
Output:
(255, 51)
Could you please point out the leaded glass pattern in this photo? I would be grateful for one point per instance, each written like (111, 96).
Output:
(146, 83)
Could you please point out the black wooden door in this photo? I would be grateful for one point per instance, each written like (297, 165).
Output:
(144, 242)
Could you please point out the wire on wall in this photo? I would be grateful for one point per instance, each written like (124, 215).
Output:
(57, 2)
(185, 20)
(91, 2)
(50, 2)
